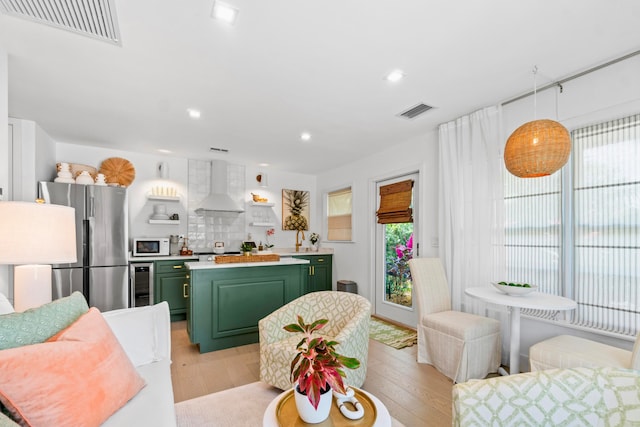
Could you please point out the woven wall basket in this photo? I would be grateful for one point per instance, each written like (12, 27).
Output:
(537, 148)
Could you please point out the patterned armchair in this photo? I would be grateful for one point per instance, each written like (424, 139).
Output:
(349, 316)
(555, 397)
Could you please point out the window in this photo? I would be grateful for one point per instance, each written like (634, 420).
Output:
(580, 237)
(339, 221)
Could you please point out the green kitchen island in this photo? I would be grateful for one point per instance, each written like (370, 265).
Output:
(226, 301)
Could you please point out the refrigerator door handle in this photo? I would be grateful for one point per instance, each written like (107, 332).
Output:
(85, 241)
(92, 207)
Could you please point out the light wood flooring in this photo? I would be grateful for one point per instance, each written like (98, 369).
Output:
(415, 394)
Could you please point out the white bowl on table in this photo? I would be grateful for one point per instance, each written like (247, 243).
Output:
(514, 290)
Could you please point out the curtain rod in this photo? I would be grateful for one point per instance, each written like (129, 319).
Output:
(575, 76)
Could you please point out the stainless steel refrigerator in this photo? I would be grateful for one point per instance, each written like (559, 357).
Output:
(101, 272)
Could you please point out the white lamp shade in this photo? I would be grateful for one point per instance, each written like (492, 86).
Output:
(37, 233)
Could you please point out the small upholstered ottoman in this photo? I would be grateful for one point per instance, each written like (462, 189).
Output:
(567, 351)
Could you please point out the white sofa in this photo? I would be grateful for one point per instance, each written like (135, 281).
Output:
(145, 335)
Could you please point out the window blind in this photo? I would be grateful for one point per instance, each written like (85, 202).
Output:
(533, 233)
(595, 244)
(606, 225)
(339, 207)
(395, 203)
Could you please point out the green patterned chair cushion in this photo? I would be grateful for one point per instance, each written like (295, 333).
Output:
(602, 396)
(36, 325)
(349, 316)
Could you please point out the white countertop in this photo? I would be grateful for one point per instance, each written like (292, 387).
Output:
(302, 251)
(161, 258)
(205, 265)
(283, 252)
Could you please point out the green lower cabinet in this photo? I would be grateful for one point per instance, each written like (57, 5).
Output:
(320, 272)
(225, 304)
(170, 284)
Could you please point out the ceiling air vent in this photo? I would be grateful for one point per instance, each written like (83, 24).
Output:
(415, 111)
(218, 150)
(96, 18)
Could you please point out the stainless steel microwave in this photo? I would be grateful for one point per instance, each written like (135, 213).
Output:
(150, 246)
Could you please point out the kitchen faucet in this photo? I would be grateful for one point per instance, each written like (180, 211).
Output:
(297, 236)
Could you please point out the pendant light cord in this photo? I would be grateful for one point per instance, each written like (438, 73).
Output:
(535, 91)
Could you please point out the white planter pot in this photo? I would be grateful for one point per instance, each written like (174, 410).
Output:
(306, 410)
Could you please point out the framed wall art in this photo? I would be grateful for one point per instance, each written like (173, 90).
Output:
(295, 209)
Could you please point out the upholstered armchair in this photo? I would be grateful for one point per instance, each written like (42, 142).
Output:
(348, 315)
(458, 344)
(556, 397)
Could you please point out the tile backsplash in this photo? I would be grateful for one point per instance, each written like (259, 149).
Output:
(207, 228)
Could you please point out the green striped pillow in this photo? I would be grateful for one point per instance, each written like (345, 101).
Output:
(36, 325)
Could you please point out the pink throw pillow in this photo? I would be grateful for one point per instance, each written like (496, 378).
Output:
(79, 377)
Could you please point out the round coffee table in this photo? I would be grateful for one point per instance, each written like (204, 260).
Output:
(383, 419)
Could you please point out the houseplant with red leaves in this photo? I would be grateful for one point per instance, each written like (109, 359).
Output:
(317, 367)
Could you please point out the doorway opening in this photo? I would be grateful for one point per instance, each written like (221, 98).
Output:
(396, 244)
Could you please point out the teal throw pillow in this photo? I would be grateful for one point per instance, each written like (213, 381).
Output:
(36, 325)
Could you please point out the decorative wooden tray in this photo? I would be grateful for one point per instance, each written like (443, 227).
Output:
(229, 259)
(287, 414)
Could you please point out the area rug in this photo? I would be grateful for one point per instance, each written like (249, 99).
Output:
(242, 406)
(392, 335)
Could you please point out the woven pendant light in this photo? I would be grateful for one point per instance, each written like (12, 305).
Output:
(537, 148)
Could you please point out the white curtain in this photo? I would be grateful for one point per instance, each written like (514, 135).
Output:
(471, 203)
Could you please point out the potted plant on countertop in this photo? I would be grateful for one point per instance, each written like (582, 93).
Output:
(316, 370)
(314, 238)
(269, 245)
(246, 248)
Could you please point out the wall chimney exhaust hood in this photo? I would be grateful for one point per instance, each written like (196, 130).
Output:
(218, 199)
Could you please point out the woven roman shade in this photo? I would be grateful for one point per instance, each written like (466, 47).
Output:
(395, 203)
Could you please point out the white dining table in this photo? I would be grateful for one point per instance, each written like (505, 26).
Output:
(533, 300)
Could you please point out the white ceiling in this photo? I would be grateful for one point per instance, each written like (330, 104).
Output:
(289, 66)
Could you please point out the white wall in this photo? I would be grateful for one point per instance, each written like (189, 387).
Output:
(33, 150)
(147, 177)
(613, 92)
(140, 209)
(354, 260)
(4, 151)
(277, 181)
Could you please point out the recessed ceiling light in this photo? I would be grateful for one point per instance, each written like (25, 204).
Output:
(224, 12)
(305, 136)
(164, 150)
(264, 165)
(395, 76)
(193, 113)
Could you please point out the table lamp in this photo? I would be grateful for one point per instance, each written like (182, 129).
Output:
(33, 236)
